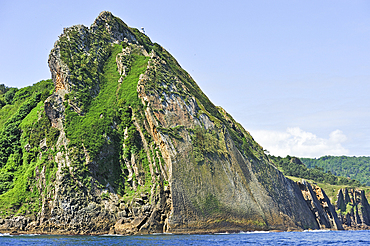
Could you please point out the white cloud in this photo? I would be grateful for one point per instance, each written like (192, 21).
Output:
(296, 142)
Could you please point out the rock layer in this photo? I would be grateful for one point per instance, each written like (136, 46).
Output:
(353, 209)
(320, 206)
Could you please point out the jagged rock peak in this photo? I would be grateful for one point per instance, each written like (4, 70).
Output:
(117, 29)
(105, 16)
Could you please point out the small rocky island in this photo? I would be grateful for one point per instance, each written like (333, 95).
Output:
(123, 141)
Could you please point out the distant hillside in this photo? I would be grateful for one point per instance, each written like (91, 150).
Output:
(352, 167)
(293, 166)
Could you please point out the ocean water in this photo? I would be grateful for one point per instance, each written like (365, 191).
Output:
(248, 238)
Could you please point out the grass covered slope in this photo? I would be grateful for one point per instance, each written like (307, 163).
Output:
(103, 125)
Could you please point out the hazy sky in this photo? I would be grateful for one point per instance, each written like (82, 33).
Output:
(294, 73)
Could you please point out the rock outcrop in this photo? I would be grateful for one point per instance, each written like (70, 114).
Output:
(353, 209)
(142, 150)
(320, 206)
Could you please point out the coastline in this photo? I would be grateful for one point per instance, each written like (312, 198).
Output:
(199, 232)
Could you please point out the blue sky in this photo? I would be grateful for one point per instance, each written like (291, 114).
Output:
(294, 73)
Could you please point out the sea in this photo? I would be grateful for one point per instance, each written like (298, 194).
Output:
(318, 237)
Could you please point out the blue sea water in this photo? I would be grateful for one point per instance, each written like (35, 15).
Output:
(248, 238)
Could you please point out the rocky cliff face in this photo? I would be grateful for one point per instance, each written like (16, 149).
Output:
(141, 149)
(320, 206)
(353, 209)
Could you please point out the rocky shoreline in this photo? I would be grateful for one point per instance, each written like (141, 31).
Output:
(152, 219)
(58, 233)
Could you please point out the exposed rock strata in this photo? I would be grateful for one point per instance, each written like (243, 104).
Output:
(320, 206)
(353, 209)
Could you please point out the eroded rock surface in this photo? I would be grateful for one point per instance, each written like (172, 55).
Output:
(320, 206)
(353, 209)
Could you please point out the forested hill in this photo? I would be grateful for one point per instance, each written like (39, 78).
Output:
(293, 166)
(353, 167)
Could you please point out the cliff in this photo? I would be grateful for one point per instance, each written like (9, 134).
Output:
(320, 206)
(130, 144)
(353, 209)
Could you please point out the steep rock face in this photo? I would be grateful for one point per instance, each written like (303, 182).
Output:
(214, 185)
(141, 149)
(320, 205)
(98, 208)
(353, 208)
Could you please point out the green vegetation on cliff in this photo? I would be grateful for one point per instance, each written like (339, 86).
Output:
(104, 117)
(24, 127)
(27, 140)
(103, 125)
(92, 128)
(244, 142)
(12, 98)
(84, 54)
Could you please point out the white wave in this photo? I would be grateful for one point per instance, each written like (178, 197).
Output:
(321, 230)
(252, 232)
(112, 235)
(241, 232)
